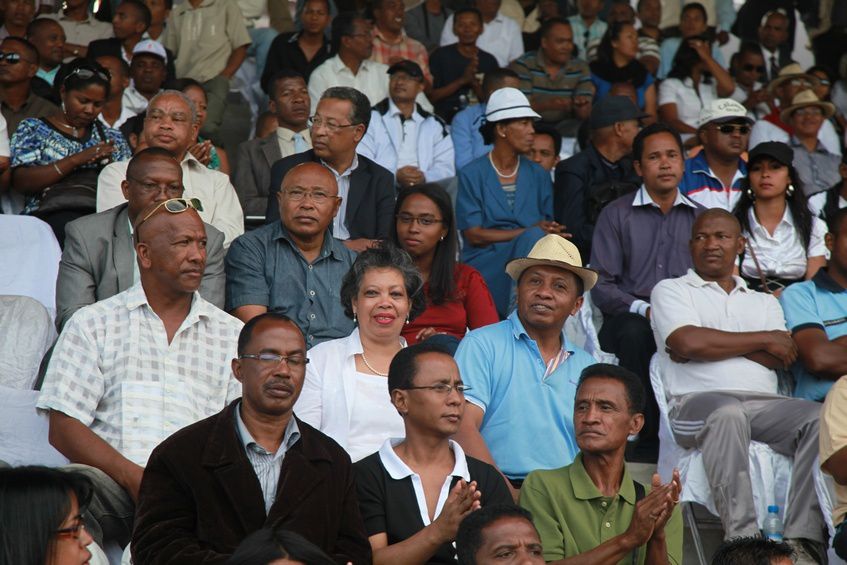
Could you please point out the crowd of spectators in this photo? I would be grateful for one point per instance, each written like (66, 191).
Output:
(348, 337)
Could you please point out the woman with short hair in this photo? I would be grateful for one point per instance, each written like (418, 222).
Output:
(343, 393)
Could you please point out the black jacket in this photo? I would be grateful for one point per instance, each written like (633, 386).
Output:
(370, 203)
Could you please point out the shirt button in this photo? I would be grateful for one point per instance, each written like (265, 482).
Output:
(608, 525)
(311, 337)
(311, 293)
(312, 316)
(604, 504)
(310, 267)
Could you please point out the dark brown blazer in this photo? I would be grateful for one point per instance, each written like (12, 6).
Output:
(200, 496)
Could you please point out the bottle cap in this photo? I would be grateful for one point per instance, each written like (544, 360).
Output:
(773, 508)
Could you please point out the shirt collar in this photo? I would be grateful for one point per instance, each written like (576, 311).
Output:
(699, 164)
(695, 280)
(519, 330)
(329, 248)
(643, 198)
(338, 65)
(136, 298)
(353, 166)
(823, 280)
(787, 218)
(289, 438)
(819, 147)
(87, 20)
(585, 489)
(286, 134)
(393, 111)
(398, 470)
(378, 35)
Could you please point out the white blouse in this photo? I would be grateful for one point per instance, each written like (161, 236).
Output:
(781, 254)
(372, 420)
(328, 400)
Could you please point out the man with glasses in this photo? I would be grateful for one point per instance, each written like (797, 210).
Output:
(252, 465)
(131, 370)
(352, 40)
(403, 137)
(294, 266)
(99, 259)
(171, 123)
(365, 188)
(18, 65)
(713, 177)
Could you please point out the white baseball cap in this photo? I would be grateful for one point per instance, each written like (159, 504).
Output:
(151, 47)
(722, 110)
(508, 103)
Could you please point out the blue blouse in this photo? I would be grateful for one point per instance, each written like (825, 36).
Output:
(36, 142)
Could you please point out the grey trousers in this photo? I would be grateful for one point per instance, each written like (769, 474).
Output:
(216, 90)
(110, 512)
(722, 424)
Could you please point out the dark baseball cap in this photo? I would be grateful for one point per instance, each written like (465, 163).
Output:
(776, 150)
(612, 109)
(409, 67)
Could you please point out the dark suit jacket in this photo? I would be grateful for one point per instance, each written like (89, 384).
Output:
(200, 496)
(97, 262)
(370, 203)
(112, 46)
(251, 174)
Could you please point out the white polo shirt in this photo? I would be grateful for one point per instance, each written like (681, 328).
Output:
(691, 301)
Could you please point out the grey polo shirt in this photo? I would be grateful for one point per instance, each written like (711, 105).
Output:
(265, 267)
(818, 169)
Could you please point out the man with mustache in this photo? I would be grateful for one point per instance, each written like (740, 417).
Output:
(294, 265)
(719, 345)
(130, 370)
(253, 465)
(639, 239)
(713, 176)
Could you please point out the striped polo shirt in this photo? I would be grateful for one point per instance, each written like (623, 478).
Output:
(573, 79)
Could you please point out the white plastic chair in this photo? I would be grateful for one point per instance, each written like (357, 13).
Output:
(581, 330)
(770, 472)
(29, 259)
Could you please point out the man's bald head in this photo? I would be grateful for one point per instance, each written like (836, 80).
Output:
(308, 201)
(715, 213)
(171, 249)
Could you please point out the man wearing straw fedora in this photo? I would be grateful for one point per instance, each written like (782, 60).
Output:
(522, 372)
(815, 164)
(791, 81)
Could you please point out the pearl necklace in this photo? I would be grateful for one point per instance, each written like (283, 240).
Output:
(368, 365)
(504, 175)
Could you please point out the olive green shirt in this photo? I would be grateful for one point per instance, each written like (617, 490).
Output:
(573, 517)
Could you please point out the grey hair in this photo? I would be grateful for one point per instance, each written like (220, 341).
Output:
(361, 106)
(385, 256)
(180, 95)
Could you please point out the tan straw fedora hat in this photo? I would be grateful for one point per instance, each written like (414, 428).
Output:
(806, 98)
(790, 72)
(554, 251)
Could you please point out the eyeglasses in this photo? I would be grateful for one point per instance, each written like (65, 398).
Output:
(174, 206)
(86, 74)
(12, 58)
(756, 68)
(273, 360)
(298, 194)
(729, 129)
(441, 388)
(425, 221)
(809, 111)
(332, 127)
(152, 187)
(72, 531)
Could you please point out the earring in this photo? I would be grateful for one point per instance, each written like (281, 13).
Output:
(441, 238)
(407, 320)
(750, 194)
(355, 320)
(789, 191)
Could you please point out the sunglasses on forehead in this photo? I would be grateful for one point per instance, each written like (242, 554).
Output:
(174, 206)
(86, 74)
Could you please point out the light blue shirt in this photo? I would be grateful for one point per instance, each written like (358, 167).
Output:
(585, 36)
(523, 409)
(668, 51)
(819, 303)
(467, 141)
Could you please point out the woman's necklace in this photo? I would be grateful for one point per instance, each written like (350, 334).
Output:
(68, 126)
(368, 365)
(500, 173)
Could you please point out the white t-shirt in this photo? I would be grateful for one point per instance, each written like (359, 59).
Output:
(372, 418)
(691, 301)
(688, 103)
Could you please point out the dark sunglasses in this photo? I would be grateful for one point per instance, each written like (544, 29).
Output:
(756, 68)
(86, 74)
(12, 58)
(729, 129)
(174, 206)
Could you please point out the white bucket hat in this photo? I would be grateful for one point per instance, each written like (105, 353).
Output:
(507, 104)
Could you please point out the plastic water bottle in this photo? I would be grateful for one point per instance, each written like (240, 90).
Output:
(773, 524)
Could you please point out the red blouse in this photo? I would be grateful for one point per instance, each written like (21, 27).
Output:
(472, 308)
